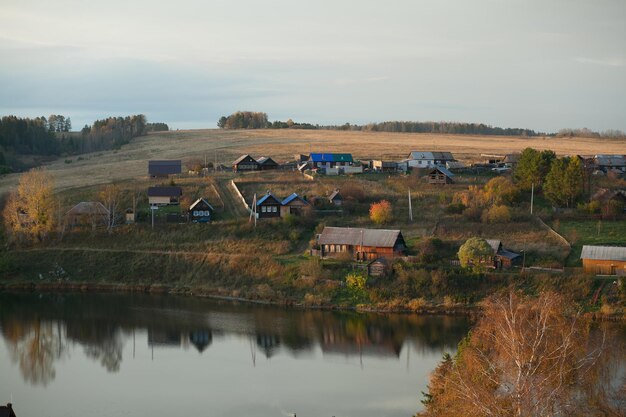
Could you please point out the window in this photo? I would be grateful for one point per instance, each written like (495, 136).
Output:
(263, 209)
(274, 209)
(195, 213)
(207, 213)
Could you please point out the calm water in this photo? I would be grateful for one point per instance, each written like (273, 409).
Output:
(114, 355)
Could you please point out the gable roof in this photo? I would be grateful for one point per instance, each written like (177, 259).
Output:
(266, 159)
(611, 160)
(381, 238)
(443, 170)
(495, 244)
(603, 253)
(242, 157)
(424, 155)
(331, 157)
(7, 411)
(165, 192)
(164, 167)
(292, 197)
(267, 196)
(195, 203)
(88, 208)
(335, 195)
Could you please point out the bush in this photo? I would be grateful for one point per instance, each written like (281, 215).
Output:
(356, 281)
(496, 214)
(417, 304)
(455, 208)
(380, 213)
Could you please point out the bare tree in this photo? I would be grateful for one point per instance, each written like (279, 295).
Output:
(525, 357)
(110, 197)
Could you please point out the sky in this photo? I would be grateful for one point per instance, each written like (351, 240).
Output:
(538, 64)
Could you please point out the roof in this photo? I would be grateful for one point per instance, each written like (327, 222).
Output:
(444, 171)
(604, 194)
(88, 207)
(335, 195)
(512, 158)
(267, 196)
(441, 156)
(495, 244)
(7, 411)
(292, 197)
(241, 158)
(165, 192)
(611, 160)
(265, 159)
(604, 253)
(380, 238)
(508, 254)
(164, 167)
(198, 201)
(331, 157)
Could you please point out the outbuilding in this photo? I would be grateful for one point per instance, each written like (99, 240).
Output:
(88, 213)
(294, 204)
(604, 260)
(164, 195)
(440, 175)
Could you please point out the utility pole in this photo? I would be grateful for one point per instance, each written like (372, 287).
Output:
(410, 208)
(532, 197)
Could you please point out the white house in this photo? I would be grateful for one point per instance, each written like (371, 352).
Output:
(420, 159)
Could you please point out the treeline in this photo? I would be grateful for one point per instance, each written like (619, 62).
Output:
(52, 136)
(157, 127)
(587, 133)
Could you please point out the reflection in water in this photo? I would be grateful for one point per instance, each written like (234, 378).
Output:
(38, 328)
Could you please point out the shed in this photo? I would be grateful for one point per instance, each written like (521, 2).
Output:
(502, 258)
(363, 244)
(440, 175)
(164, 195)
(336, 198)
(604, 260)
(245, 163)
(378, 268)
(294, 204)
(268, 206)
(88, 213)
(164, 168)
(200, 211)
(265, 163)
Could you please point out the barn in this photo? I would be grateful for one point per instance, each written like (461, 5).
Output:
(362, 244)
(604, 260)
(200, 211)
(164, 168)
(440, 175)
(164, 195)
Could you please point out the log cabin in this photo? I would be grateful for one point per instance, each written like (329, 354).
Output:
(245, 163)
(268, 206)
(266, 163)
(200, 211)
(440, 175)
(361, 244)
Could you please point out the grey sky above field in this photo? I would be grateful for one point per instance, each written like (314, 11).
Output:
(539, 64)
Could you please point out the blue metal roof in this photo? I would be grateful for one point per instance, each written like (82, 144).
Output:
(331, 157)
(291, 198)
(265, 197)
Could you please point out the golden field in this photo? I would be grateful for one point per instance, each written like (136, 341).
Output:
(223, 146)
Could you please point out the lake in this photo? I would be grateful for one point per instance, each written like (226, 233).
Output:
(72, 354)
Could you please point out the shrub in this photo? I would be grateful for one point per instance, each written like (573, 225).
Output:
(455, 208)
(496, 214)
(356, 281)
(380, 213)
(417, 304)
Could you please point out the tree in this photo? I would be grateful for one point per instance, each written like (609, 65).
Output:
(496, 214)
(530, 357)
(110, 198)
(29, 212)
(532, 168)
(474, 251)
(564, 182)
(500, 190)
(381, 213)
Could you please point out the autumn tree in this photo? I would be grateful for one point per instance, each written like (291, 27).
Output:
(110, 196)
(474, 251)
(380, 213)
(29, 215)
(530, 357)
(500, 190)
(564, 182)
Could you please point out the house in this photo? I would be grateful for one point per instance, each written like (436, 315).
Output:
(420, 159)
(362, 244)
(510, 160)
(164, 168)
(502, 258)
(268, 206)
(164, 195)
(610, 162)
(301, 158)
(245, 163)
(294, 204)
(440, 175)
(330, 160)
(384, 166)
(604, 260)
(200, 211)
(336, 198)
(88, 213)
(265, 163)
(7, 411)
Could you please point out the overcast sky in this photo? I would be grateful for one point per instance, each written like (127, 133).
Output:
(539, 64)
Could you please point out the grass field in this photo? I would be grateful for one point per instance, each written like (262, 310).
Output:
(224, 146)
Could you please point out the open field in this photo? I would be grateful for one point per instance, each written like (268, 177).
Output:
(224, 146)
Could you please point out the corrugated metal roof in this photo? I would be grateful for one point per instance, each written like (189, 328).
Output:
(291, 198)
(265, 197)
(432, 156)
(380, 238)
(165, 192)
(88, 207)
(164, 167)
(610, 160)
(195, 203)
(604, 253)
(242, 157)
(445, 171)
(331, 157)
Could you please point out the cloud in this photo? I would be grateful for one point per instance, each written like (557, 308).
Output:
(607, 62)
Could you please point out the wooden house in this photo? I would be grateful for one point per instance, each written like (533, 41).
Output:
(294, 204)
(502, 258)
(7, 411)
(268, 206)
(200, 211)
(361, 244)
(265, 163)
(378, 268)
(336, 198)
(164, 168)
(245, 163)
(604, 260)
(88, 213)
(164, 195)
(421, 159)
(440, 175)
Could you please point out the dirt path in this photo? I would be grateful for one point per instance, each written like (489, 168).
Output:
(231, 202)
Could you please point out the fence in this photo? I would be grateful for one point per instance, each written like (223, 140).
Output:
(240, 196)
